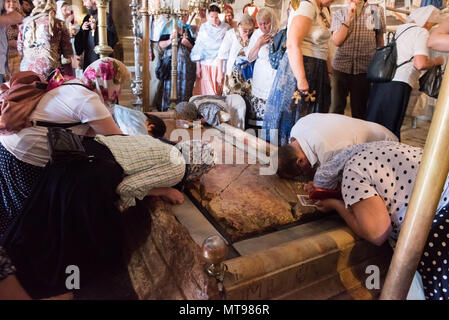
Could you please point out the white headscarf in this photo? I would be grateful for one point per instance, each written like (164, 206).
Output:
(425, 14)
(59, 5)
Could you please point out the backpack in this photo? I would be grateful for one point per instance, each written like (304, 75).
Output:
(383, 64)
(19, 100)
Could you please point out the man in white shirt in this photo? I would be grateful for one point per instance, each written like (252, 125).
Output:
(317, 137)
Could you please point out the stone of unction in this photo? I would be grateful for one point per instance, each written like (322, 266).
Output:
(246, 203)
(164, 262)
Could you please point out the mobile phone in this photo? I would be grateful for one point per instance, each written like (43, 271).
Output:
(323, 193)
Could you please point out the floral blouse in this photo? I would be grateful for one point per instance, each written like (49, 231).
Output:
(43, 55)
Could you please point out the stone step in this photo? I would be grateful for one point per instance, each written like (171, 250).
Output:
(304, 268)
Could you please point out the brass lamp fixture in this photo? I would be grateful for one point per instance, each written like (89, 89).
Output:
(174, 9)
(215, 252)
(103, 49)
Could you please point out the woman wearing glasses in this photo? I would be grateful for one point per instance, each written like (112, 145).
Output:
(306, 62)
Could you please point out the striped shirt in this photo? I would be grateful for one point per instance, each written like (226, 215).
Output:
(356, 52)
(147, 163)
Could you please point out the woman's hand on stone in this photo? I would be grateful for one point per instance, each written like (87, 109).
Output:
(309, 187)
(173, 196)
(326, 205)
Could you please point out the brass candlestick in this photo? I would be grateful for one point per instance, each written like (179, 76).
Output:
(215, 251)
(174, 64)
(103, 49)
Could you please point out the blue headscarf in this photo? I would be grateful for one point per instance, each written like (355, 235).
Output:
(168, 29)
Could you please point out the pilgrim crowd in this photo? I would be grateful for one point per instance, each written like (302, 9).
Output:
(254, 73)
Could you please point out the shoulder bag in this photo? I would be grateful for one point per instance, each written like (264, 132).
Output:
(383, 64)
(430, 82)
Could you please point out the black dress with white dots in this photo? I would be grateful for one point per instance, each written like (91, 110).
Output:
(390, 173)
(17, 180)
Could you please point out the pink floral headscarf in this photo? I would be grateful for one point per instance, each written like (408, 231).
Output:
(106, 77)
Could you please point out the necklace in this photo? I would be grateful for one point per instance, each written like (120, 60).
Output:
(324, 19)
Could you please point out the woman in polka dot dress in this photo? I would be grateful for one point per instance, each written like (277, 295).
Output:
(376, 183)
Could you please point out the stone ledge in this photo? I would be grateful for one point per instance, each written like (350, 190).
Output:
(296, 265)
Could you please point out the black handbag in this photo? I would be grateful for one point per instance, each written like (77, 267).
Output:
(430, 82)
(163, 68)
(65, 146)
(383, 64)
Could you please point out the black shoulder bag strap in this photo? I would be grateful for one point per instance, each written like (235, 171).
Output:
(396, 38)
(59, 125)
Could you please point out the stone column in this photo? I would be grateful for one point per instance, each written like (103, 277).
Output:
(103, 49)
(146, 55)
(174, 65)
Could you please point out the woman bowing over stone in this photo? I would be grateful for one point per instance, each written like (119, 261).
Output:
(376, 182)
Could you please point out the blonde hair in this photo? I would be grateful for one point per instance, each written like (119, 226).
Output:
(266, 13)
(246, 20)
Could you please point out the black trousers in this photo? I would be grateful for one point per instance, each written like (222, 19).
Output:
(354, 85)
(388, 103)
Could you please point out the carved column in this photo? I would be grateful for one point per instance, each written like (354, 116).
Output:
(103, 49)
(137, 82)
(146, 55)
(174, 65)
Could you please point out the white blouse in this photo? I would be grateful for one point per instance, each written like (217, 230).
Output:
(264, 74)
(316, 42)
(229, 49)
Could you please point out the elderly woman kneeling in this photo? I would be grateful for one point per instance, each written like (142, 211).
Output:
(376, 181)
